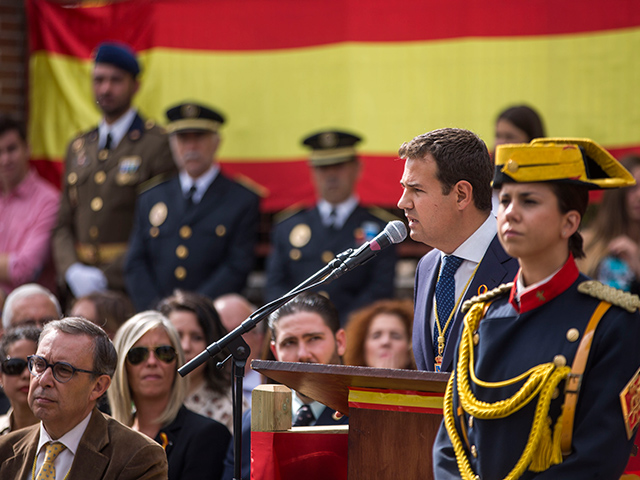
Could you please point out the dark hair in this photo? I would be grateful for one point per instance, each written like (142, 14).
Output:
(8, 124)
(525, 118)
(360, 322)
(307, 302)
(14, 334)
(459, 155)
(209, 321)
(105, 357)
(572, 197)
(112, 308)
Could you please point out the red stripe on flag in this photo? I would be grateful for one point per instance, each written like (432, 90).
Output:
(281, 24)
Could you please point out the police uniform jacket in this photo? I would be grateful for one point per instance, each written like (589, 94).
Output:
(195, 446)
(296, 255)
(508, 344)
(206, 248)
(99, 194)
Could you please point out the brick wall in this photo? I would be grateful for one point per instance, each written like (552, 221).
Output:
(13, 58)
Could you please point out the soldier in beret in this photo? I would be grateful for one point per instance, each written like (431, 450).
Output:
(307, 240)
(197, 231)
(105, 171)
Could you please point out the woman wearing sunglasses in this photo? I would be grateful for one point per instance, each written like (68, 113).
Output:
(16, 345)
(546, 383)
(147, 394)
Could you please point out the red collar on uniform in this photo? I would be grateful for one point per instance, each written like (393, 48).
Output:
(560, 282)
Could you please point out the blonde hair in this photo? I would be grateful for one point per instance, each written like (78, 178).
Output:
(119, 393)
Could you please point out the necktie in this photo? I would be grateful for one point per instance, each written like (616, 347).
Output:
(107, 144)
(332, 219)
(189, 196)
(48, 471)
(445, 302)
(304, 416)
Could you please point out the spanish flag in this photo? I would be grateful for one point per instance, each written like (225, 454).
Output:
(387, 70)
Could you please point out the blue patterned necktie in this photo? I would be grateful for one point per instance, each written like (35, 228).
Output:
(445, 299)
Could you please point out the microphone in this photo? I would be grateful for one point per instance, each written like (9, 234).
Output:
(394, 232)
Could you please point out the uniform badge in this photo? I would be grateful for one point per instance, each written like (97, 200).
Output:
(630, 400)
(72, 178)
(328, 140)
(190, 111)
(77, 144)
(81, 159)
(128, 168)
(300, 235)
(134, 135)
(149, 124)
(327, 256)
(158, 214)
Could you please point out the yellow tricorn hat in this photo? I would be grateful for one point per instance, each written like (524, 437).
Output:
(560, 160)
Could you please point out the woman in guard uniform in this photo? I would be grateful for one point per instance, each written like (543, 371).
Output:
(546, 380)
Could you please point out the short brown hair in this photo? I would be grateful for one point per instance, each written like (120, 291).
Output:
(459, 155)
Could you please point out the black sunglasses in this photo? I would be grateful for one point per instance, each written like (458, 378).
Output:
(14, 366)
(137, 355)
(62, 371)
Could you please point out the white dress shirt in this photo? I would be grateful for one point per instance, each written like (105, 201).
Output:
(202, 183)
(117, 129)
(343, 210)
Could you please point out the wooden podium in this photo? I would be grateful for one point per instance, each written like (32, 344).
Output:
(394, 415)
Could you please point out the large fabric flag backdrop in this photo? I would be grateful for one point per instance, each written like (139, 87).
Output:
(281, 69)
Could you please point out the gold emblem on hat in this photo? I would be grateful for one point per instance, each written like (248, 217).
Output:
(103, 154)
(96, 204)
(190, 111)
(328, 140)
(154, 232)
(72, 178)
(100, 177)
(327, 256)
(221, 230)
(300, 235)
(573, 334)
(94, 232)
(512, 166)
(295, 254)
(158, 214)
(134, 135)
(185, 231)
(182, 251)
(180, 273)
(77, 144)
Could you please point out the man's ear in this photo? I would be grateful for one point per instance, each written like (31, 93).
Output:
(341, 341)
(464, 194)
(101, 386)
(272, 346)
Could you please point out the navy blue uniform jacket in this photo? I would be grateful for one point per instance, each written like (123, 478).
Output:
(213, 259)
(495, 269)
(511, 343)
(369, 282)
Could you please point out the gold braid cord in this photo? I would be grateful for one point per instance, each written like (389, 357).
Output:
(542, 450)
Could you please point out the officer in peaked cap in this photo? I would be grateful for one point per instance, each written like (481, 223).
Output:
(105, 170)
(196, 231)
(305, 241)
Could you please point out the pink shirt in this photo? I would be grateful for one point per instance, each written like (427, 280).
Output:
(27, 216)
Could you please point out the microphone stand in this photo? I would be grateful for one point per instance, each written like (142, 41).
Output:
(239, 350)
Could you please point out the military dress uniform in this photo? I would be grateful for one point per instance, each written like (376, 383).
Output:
(302, 245)
(99, 195)
(207, 247)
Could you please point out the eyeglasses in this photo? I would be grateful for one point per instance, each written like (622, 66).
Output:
(137, 355)
(62, 371)
(14, 366)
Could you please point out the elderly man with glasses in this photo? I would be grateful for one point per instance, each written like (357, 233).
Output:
(71, 370)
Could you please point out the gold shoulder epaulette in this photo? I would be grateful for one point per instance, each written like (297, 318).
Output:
(152, 182)
(382, 214)
(486, 296)
(251, 185)
(287, 213)
(620, 298)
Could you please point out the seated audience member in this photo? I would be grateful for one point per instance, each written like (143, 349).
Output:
(108, 309)
(307, 329)
(71, 370)
(612, 243)
(30, 304)
(233, 310)
(380, 335)
(29, 206)
(147, 394)
(198, 325)
(16, 345)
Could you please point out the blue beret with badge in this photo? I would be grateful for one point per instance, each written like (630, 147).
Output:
(119, 55)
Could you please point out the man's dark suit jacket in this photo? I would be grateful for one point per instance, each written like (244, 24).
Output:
(325, 419)
(495, 269)
(107, 450)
